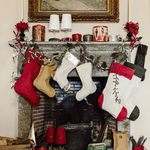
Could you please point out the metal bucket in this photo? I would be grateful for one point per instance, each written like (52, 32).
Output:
(78, 136)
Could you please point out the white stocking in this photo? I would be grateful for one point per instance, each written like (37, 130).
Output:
(69, 62)
(88, 86)
(110, 99)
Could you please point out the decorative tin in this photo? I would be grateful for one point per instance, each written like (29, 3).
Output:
(97, 146)
(100, 33)
(88, 37)
(38, 33)
(113, 38)
(76, 37)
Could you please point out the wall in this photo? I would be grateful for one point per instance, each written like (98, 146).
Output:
(10, 14)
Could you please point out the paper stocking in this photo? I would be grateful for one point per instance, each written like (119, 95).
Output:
(126, 99)
(88, 86)
(69, 62)
(42, 80)
(110, 99)
(24, 86)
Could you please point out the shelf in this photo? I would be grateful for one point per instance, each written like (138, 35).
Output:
(104, 50)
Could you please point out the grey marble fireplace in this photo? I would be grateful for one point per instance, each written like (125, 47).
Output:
(93, 50)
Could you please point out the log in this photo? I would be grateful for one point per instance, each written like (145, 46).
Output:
(8, 139)
(16, 147)
(3, 142)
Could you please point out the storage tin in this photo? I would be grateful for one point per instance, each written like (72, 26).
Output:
(100, 33)
(97, 146)
(38, 33)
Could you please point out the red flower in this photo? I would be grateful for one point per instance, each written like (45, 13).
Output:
(22, 25)
(134, 29)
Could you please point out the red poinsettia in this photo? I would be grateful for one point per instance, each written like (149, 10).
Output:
(22, 25)
(134, 29)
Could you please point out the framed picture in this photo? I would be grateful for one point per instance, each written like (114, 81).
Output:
(81, 10)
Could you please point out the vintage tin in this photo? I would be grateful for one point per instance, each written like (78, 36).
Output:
(97, 146)
(38, 33)
(87, 37)
(100, 33)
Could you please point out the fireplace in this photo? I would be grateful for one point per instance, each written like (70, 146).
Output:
(49, 113)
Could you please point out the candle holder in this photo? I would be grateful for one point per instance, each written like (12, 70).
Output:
(54, 26)
(66, 24)
(60, 137)
(50, 137)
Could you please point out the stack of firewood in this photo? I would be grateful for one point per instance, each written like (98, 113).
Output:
(7, 143)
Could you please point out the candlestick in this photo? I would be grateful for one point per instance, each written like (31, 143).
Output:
(54, 26)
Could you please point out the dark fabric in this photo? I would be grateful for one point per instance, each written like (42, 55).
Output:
(135, 114)
(139, 71)
(140, 56)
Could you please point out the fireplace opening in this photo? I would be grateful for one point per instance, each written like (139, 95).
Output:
(65, 110)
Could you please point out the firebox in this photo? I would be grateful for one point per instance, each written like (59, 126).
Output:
(64, 109)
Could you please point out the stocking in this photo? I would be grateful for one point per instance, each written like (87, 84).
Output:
(126, 99)
(69, 62)
(88, 87)
(140, 56)
(24, 86)
(42, 80)
(110, 99)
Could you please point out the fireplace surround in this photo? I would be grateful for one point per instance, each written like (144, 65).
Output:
(46, 113)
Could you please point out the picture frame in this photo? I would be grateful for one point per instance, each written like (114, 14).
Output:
(40, 10)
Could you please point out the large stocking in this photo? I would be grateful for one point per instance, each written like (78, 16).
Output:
(42, 80)
(24, 86)
(88, 86)
(110, 99)
(69, 62)
(126, 99)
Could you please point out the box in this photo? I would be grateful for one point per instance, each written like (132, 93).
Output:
(97, 146)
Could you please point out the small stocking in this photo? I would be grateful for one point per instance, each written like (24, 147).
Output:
(24, 86)
(126, 99)
(69, 62)
(110, 99)
(88, 87)
(42, 80)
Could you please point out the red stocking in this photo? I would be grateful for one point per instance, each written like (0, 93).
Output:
(24, 86)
